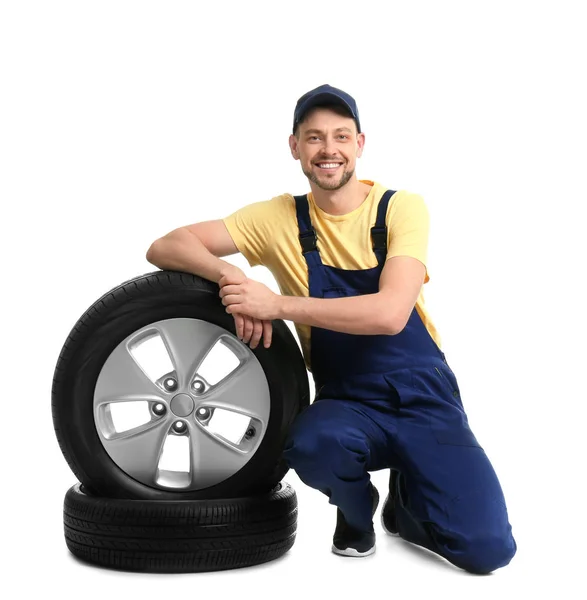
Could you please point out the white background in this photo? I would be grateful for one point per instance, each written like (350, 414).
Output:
(123, 120)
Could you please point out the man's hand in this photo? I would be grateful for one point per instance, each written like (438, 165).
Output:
(249, 297)
(248, 328)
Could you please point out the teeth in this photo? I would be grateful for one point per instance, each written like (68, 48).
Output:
(328, 165)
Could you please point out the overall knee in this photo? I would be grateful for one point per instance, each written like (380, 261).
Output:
(484, 554)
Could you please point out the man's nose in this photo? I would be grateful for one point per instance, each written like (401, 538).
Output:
(329, 147)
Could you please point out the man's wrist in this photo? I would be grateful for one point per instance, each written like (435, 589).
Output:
(280, 306)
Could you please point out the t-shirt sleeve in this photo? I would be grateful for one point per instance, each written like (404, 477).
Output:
(408, 227)
(250, 229)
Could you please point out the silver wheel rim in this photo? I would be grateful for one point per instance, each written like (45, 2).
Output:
(220, 420)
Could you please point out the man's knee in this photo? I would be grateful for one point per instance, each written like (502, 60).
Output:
(483, 554)
(481, 536)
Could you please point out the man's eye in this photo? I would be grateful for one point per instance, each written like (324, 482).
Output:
(315, 137)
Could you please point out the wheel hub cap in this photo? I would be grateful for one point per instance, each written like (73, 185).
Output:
(182, 405)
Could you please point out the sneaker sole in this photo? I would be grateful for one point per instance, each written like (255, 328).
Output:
(393, 533)
(352, 552)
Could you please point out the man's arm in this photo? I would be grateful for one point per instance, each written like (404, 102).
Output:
(195, 249)
(385, 312)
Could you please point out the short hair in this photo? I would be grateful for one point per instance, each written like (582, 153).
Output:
(337, 108)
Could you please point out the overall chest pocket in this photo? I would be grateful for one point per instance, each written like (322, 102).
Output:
(342, 292)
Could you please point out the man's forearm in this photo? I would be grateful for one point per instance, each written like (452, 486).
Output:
(183, 251)
(369, 314)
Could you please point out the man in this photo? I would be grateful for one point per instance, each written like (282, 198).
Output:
(350, 261)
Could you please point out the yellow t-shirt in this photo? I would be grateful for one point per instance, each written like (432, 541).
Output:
(266, 233)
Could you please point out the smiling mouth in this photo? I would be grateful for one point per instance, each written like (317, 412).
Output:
(328, 167)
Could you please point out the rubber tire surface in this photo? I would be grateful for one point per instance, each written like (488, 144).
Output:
(164, 536)
(127, 308)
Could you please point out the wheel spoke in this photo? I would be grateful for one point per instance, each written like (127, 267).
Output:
(213, 460)
(245, 390)
(188, 341)
(122, 379)
(137, 451)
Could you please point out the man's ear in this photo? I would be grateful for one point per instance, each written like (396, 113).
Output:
(293, 146)
(360, 144)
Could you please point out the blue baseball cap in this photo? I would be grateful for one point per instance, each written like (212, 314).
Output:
(325, 94)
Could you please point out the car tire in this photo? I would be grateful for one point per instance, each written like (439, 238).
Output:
(166, 536)
(171, 297)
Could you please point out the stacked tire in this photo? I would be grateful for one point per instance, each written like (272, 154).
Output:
(121, 422)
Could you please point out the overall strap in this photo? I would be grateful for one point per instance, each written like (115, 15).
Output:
(379, 231)
(307, 233)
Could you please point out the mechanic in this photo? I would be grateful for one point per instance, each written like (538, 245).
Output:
(350, 261)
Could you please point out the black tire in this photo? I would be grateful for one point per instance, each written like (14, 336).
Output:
(122, 311)
(163, 536)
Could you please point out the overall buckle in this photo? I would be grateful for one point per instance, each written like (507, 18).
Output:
(379, 237)
(308, 241)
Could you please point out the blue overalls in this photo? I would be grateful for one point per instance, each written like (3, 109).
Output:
(392, 401)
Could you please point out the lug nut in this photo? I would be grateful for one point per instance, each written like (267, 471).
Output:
(203, 413)
(179, 427)
(250, 432)
(198, 386)
(159, 409)
(170, 384)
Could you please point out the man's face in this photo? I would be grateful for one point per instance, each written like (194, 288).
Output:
(327, 148)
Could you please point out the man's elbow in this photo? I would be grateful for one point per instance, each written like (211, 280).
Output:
(153, 251)
(395, 325)
(150, 253)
